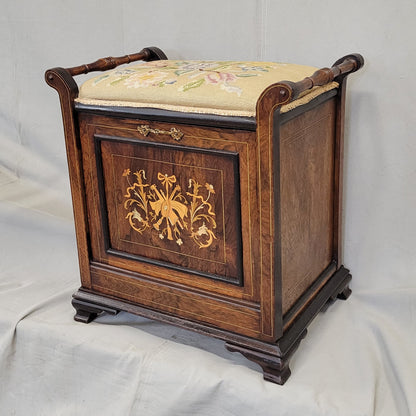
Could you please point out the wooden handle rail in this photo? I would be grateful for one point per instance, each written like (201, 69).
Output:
(62, 78)
(103, 64)
(342, 67)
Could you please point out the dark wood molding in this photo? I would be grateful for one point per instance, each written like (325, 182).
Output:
(339, 151)
(155, 114)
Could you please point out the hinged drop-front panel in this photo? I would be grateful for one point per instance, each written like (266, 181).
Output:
(172, 205)
(172, 209)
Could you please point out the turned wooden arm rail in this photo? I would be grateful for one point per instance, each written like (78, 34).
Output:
(62, 77)
(104, 64)
(289, 90)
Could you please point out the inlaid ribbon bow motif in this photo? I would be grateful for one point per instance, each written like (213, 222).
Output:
(168, 211)
(168, 208)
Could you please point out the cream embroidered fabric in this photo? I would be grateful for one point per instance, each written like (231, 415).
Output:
(213, 87)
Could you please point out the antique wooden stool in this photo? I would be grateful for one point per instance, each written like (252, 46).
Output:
(207, 194)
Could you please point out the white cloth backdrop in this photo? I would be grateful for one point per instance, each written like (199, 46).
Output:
(359, 358)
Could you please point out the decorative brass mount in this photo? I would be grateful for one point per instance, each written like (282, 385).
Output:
(173, 132)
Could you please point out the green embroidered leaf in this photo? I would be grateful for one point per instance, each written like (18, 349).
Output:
(180, 72)
(100, 79)
(193, 84)
(118, 80)
(245, 75)
(222, 65)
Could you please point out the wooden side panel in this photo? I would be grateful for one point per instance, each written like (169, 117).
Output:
(307, 199)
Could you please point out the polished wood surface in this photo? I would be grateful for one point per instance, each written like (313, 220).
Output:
(228, 226)
(110, 62)
(339, 70)
(306, 199)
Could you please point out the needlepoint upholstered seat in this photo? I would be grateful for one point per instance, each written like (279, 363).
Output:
(228, 88)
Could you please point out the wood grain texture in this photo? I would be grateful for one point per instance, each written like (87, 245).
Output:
(174, 204)
(222, 149)
(307, 198)
(203, 152)
(268, 176)
(64, 84)
(175, 299)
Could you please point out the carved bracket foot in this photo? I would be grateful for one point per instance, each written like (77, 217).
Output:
(275, 369)
(343, 292)
(275, 366)
(88, 311)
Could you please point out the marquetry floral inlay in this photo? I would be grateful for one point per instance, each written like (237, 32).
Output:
(167, 210)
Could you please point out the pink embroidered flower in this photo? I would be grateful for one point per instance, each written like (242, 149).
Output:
(220, 77)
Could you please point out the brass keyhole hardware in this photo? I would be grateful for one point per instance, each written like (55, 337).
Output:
(173, 132)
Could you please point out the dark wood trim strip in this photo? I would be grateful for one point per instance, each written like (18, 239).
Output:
(285, 117)
(155, 114)
(338, 171)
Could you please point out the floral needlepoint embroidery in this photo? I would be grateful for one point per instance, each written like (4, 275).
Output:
(168, 211)
(142, 80)
(228, 88)
(189, 74)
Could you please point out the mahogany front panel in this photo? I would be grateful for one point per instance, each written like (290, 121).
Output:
(175, 223)
(179, 207)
